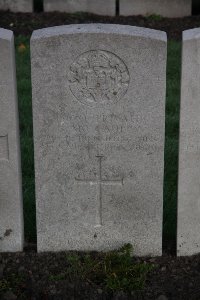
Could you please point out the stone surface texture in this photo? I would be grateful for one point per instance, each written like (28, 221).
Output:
(100, 7)
(17, 5)
(165, 8)
(188, 240)
(11, 212)
(99, 115)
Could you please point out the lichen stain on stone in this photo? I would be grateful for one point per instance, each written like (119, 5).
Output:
(7, 232)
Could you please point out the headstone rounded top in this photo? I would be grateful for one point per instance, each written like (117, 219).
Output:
(191, 34)
(100, 28)
(6, 34)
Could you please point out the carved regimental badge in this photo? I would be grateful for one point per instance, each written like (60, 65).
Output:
(98, 77)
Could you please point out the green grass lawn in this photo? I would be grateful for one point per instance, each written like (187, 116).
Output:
(171, 143)
(26, 134)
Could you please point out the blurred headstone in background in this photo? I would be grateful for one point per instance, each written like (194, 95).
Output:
(100, 7)
(17, 5)
(165, 8)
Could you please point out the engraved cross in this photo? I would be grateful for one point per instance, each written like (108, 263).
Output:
(99, 182)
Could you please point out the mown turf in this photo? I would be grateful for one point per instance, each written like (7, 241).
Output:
(171, 144)
(26, 134)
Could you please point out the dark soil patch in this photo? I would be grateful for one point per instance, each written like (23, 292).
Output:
(22, 23)
(172, 278)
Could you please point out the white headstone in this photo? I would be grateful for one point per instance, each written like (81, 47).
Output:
(17, 5)
(165, 8)
(11, 212)
(188, 240)
(100, 7)
(99, 115)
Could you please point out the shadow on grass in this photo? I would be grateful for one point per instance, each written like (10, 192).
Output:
(171, 146)
(26, 134)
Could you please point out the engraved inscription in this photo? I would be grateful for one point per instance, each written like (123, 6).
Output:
(97, 77)
(99, 182)
(110, 133)
(4, 152)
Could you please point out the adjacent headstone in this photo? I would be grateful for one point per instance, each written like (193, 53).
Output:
(17, 5)
(11, 212)
(165, 8)
(188, 240)
(99, 7)
(99, 115)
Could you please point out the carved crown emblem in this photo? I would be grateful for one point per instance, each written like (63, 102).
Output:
(98, 77)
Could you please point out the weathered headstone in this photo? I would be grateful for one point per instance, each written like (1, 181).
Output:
(17, 5)
(165, 8)
(99, 115)
(100, 7)
(188, 239)
(11, 212)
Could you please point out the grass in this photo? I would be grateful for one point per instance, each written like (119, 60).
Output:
(26, 134)
(114, 270)
(155, 17)
(171, 146)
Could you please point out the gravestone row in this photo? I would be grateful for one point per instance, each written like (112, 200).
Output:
(165, 8)
(100, 7)
(99, 115)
